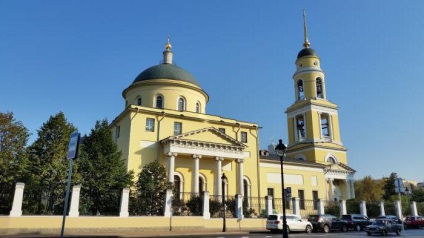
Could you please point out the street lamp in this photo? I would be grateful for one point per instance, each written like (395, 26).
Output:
(280, 149)
(223, 181)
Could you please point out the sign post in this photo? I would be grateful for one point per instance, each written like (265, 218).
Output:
(400, 189)
(72, 154)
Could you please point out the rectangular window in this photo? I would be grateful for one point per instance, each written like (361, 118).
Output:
(222, 130)
(325, 130)
(244, 137)
(271, 193)
(178, 128)
(117, 132)
(315, 199)
(150, 124)
(301, 195)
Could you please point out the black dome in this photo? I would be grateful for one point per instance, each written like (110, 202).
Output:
(307, 52)
(166, 71)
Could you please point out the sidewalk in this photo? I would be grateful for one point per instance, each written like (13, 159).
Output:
(184, 233)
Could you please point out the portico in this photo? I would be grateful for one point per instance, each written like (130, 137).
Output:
(225, 152)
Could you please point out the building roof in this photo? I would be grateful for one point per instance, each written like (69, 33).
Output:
(307, 52)
(166, 71)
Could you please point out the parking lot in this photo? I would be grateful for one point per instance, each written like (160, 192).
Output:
(412, 233)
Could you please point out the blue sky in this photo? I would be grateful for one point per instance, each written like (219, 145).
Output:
(78, 56)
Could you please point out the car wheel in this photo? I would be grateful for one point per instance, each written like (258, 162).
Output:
(384, 233)
(344, 228)
(308, 229)
(326, 228)
(420, 227)
(398, 232)
(369, 233)
(358, 228)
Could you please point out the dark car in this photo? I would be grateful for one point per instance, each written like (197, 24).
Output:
(356, 221)
(414, 222)
(383, 227)
(327, 222)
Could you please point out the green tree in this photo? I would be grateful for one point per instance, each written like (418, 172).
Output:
(48, 167)
(418, 195)
(389, 187)
(13, 158)
(151, 187)
(104, 173)
(368, 189)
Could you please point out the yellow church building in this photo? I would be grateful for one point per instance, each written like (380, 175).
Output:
(165, 119)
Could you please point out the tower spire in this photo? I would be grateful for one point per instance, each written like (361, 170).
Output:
(306, 44)
(167, 54)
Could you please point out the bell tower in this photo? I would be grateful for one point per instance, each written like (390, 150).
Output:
(313, 122)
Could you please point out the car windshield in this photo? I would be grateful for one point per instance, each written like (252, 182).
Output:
(272, 217)
(379, 222)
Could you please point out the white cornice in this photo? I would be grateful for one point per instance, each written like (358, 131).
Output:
(304, 70)
(310, 107)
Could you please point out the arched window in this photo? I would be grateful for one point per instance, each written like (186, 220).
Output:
(181, 104)
(300, 91)
(320, 93)
(202, 183)
(177, 184)
(332, 160)
(159, 101)
(325, 125)
(138, 101)
(198, 107)
(300, 128)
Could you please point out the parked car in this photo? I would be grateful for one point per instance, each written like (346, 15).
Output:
(274, 223)
(383, 227)
(414, 222)
(393, 217)
(327, 222)
(356, 221)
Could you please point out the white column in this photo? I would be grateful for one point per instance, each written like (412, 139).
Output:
(17, 200)
(363, 208)
(206, 213)
(171, 166)
(218, 172)
(268, 205)
(240, 176)
(296, 133)
(331, 190)
(398, 208)
(321, 207)
(296, 206)
(125, 197)
(168, 203)
(195, 174)
(343, 207)
(382, 211)
(239, 206)
(330, 127)
(347, 189)
(352, 190)
(413, 206)
(74, 209)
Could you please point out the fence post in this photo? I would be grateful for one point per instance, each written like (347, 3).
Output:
(321, 206)
(74, 209)
(239, 206)
(125, 197)
(268, 205)
(17, 200)
(296, 206)
(343, 207)
(168, 203)
(413, 206)
(206, 213)
(398, 206)
(363, 208)
(382, 211)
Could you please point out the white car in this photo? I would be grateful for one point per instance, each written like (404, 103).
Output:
(294, 223)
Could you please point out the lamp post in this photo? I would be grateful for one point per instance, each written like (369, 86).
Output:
(407, 193)
(280, 149)
(223, 181)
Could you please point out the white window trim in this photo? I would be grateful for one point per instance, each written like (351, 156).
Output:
(328, 156)
(184, 104)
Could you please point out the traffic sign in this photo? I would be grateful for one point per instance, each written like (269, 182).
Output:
(73, 145)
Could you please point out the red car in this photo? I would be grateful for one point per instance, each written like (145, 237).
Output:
(414, 221)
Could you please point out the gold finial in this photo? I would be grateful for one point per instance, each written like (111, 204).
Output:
(168, 45)
(306, 44)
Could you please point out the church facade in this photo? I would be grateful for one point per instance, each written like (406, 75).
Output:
(165, 119)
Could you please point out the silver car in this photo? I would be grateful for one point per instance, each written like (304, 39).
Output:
(274, 223)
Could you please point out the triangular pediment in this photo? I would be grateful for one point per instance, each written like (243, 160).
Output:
(339, 168)
(207, 135)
